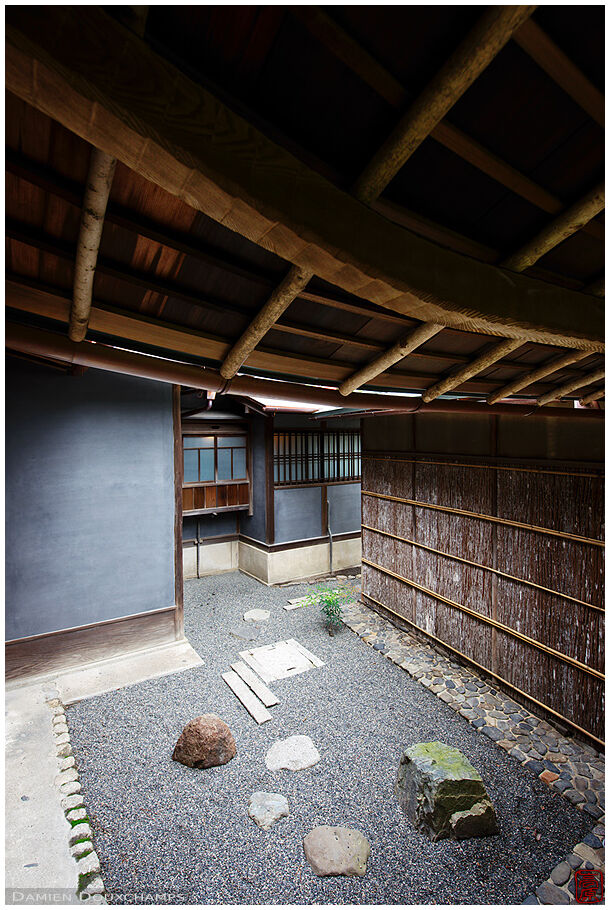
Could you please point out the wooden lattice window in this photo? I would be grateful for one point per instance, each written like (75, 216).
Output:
(316, 456)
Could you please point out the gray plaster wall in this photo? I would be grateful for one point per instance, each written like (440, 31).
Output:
(298, 513)
(89, 498)
(344, 514)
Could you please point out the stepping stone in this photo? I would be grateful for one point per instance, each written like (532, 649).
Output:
(280, 660)
(443, 795)
(293, 754)
(256, 615)
(267, 808)
(251, 703)
(336, 851)
(259, 688)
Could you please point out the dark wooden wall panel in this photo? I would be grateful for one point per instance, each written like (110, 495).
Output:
(543, 492)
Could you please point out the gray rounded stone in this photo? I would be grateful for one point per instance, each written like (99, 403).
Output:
(292, 754)
(267, 808)
(256, 615)
(561, 874)
(336, 851)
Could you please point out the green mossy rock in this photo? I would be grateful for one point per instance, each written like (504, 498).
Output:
(442, 794)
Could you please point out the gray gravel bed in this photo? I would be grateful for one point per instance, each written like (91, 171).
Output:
(169, 834)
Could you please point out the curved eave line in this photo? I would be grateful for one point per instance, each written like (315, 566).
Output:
(105, 84)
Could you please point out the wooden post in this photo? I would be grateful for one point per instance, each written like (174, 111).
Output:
(269, 483)
(178, 480)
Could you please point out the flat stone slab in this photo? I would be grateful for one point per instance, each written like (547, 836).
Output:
(280, 660)
(256, 615)
(336, 851)
(267, 808)
(442, 794)
(293, 754)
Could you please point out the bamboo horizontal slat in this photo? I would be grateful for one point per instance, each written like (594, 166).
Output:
(485, 670)
(493, 518)
(487, 467)
(492, 622)
(478, 565)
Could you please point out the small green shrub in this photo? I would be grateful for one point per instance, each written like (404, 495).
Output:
(330, 601)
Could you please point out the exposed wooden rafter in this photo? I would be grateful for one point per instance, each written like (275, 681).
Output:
(97, 191)
(39, 343)
(561, 391)
(593, 396)
(278, 303)
(597, 287)
(393, 355)
(558, 230)
(193, 246)
(484, 41)
(535, 375)
(533, 40)
(479, 364)
(52, 64)
(377, 77)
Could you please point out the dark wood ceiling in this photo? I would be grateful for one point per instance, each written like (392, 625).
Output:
(166, 262)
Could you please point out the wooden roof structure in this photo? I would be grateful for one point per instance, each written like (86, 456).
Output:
(367, 198)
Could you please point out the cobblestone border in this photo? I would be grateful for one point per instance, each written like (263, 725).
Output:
(91, 887)
(570, 767)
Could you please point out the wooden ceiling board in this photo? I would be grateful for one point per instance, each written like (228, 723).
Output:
(461, 193)
(571, 169)
(580, 256)
(412, 42)
(514, 91)
(579, 32)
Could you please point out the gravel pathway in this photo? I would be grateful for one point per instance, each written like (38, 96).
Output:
(169, 834)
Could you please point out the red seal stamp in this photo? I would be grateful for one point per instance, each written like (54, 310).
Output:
(589, 886)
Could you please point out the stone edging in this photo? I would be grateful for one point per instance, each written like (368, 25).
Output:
(570, 767)
(90, 885)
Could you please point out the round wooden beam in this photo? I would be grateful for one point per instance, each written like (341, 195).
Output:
(393, 355)
(106, 85)
(265, 319)
(556, 394)
(536, 375)
(562, 227)
(99, 181)
(479, 364)
(493, 30)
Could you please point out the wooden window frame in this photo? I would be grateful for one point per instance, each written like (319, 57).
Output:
(327, 459)
(220, 484)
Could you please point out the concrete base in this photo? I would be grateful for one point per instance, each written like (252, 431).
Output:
(281, 566)
(126, 670)
(214, 558)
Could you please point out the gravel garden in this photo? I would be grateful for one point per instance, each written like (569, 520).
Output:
(169, 834)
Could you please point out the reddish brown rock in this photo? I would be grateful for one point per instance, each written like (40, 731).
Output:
(205, 742)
